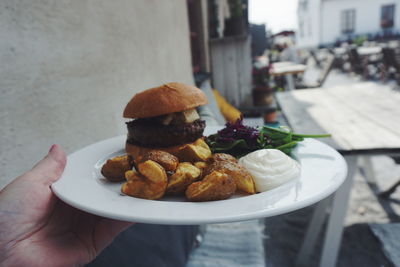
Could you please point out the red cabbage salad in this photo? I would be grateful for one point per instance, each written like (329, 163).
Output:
(238, 139)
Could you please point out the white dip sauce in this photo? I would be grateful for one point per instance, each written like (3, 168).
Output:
(270, 168)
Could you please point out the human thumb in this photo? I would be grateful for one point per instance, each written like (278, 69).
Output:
(50, 168)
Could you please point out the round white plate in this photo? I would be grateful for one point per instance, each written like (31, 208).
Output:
(82, 186)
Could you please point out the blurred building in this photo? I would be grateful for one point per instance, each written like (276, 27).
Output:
(284, 37)
(221, 46)
(324, 22)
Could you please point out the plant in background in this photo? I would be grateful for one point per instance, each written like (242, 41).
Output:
(236, 8)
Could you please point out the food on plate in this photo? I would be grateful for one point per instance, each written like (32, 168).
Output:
(222, 157)
(167, 153)
(185, 174)
(198, 151)
(214, 186)
(243, 179)
(168, 161)
(200, 164)
(238, 139)
(149, 183)
(270, 168)
(164, 118)
(114, 169)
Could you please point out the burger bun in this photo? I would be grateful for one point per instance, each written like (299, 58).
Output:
(167, 98)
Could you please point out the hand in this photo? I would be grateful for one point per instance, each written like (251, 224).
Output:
(38, 229)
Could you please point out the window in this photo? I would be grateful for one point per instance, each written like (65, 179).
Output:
(303, 4)
(348, 20)
(387, 16)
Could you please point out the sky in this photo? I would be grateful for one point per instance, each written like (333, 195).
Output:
(278, 15)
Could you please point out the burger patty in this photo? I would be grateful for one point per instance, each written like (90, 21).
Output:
(149, 133)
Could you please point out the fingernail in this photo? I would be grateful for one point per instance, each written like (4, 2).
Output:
(52, 148)
(57, 153)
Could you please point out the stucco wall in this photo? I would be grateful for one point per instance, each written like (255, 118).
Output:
(69, 67)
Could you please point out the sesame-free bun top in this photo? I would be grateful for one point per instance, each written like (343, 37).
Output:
(167, 98)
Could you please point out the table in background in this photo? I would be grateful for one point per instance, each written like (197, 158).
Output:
(366, 51)
(370, 54)
(363, 121)
(287, 69)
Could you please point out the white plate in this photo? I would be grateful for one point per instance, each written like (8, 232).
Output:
(82, 186)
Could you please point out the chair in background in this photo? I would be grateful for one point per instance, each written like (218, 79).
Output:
(387, 193)
(316, 59)
(357, 63)
(340, 57)
(327, 67)
(390, 64)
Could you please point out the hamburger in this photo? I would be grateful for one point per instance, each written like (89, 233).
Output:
(164, 118)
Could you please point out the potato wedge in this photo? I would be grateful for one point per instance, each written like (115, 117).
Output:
(150, 183)
(215, 186)
(152, 171)
(168, 161)
(200, 164)
(241, 176)
(114, 169)
(185, 174)
(200, 142)
(198, 151)
(222, 157)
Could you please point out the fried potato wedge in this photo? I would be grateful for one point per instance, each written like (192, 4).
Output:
(215, 186)
(150, 183)
(152, 171)
(168, 161)
(241, 176)
(114, 169)
(200, 164)
(185, 174)
(222, 157)
(198, 151)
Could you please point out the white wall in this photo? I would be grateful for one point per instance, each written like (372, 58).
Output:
(368, 17)
(311, 26)
(68, 68)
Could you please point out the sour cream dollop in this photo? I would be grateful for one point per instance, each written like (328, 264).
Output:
(270, 168)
